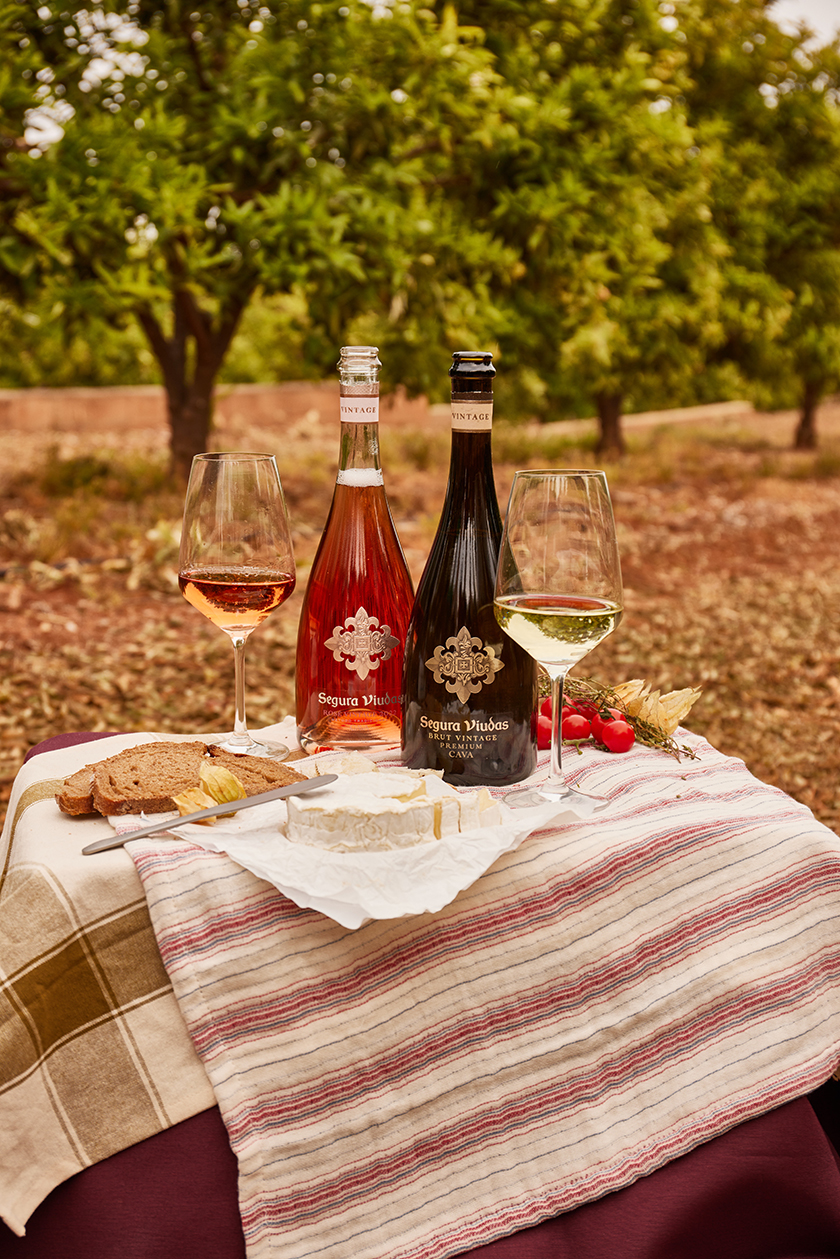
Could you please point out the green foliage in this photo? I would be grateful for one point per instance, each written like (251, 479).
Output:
(298, 149)
(592, 183)
(40, 344)
(123, 479)
(766, 107)
(632, 203)
(95, 476)
(270, 342)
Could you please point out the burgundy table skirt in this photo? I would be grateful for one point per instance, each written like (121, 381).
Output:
(768, 1189)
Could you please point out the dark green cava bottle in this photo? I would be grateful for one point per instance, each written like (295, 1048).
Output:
(469, 691)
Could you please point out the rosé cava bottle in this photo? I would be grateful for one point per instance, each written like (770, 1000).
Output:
(351, 637)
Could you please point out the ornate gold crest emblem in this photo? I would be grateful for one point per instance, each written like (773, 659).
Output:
(362, 643)
(465, 664)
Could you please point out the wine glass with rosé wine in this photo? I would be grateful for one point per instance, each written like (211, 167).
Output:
(558, 592)
(237, 563)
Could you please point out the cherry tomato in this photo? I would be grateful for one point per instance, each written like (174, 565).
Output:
(545, 707)
(618, 736)
(543, 731)
(598, 722)
(575, 727)
(585, 708)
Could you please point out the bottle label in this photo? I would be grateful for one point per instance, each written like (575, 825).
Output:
(465, 664)
(359, 701)
(361, 643)
(359, 478)
(472, 417)
(467, 738)
(359, 410)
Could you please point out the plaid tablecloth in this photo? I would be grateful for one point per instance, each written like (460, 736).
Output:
(604, 999)
(94, 1054)
(607, 997)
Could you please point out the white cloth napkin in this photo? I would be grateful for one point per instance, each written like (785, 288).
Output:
(354, 888)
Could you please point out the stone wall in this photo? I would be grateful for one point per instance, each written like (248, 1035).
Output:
(112, 409)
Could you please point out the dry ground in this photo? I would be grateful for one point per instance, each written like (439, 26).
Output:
(729, 548)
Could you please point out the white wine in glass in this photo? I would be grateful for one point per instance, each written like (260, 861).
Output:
(237, 564)
(558, 591)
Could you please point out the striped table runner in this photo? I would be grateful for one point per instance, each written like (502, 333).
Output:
(605, 998)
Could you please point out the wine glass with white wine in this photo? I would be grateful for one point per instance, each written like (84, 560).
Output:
(558, 592)
(237, 563)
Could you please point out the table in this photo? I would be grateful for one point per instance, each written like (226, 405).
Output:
(694, 1181)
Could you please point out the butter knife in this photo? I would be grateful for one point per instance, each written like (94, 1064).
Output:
(231, 806)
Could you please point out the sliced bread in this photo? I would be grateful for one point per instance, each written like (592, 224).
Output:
(144, 779)
(256, 773)
(76, 795)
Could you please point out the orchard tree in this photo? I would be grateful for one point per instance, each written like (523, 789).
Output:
(593, 181)
(162, 164)
(517, 172)
(767, 101)
(804, 238)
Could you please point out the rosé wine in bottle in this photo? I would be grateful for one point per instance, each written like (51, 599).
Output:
(351, 637)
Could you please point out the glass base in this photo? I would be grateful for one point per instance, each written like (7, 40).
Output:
(247, 746)
(569, 798)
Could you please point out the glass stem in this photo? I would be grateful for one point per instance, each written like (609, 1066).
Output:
(240, 729)
(555, 776)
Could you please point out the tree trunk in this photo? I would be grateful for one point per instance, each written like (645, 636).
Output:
(805, 437)
(189, 397)
(610, 436)
(189, 431)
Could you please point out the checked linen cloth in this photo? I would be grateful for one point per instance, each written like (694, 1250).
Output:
(605, 998)
(94, 1054)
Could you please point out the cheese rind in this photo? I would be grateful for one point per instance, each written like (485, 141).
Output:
(382, 811)
(354, 826)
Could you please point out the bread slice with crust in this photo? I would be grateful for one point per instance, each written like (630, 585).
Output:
(76, 795)
(256, 773)
(145, 779)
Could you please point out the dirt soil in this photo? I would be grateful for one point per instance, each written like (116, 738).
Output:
(729, 553)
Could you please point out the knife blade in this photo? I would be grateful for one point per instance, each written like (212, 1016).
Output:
(231, 806)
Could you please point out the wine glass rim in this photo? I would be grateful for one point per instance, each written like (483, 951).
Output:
(545, 472)
(234, 456)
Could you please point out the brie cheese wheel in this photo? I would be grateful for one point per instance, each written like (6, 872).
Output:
(376, 812)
